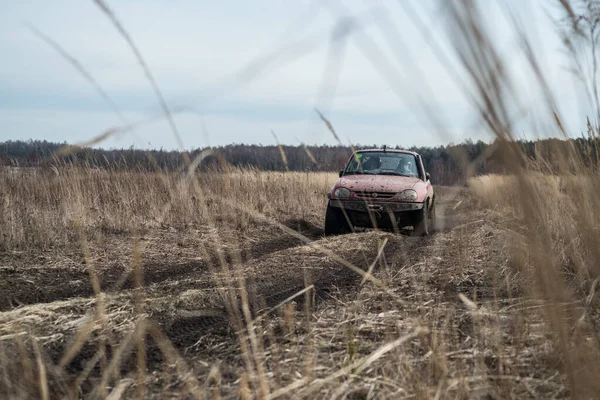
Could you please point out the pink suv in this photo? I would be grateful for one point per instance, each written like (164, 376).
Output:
(382, 188)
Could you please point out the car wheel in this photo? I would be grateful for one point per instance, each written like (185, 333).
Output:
(335, 222)
(432, 219)
(421, 226)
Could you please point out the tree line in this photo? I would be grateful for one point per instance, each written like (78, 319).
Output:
(448, 164)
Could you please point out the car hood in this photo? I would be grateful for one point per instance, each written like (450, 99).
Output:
(377, 183)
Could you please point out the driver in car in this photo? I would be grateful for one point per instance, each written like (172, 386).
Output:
(405, 167)
(372, 163)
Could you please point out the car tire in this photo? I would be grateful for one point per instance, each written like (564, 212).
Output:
(432, 219)
(335, 222)
(422, 222)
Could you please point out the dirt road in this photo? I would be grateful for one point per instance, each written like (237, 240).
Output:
(196, 285)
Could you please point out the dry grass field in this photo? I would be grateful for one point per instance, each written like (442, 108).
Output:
(220, 285)
(125, 285)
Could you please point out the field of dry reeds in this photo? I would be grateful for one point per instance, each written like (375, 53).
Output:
(221, 285)
(117, 284)
(42, 209)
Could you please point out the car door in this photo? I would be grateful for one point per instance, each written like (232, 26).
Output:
(428, 184)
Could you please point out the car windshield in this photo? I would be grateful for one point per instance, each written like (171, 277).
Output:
(383, 163)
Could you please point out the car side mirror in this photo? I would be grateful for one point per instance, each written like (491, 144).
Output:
(341, 173)
(427, 175)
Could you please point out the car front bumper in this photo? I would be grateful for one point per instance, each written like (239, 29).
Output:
(380, 207)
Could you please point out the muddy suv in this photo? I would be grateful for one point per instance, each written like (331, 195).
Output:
(382, 188)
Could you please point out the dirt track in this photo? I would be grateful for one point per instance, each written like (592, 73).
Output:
(186, 285)
(267, 254)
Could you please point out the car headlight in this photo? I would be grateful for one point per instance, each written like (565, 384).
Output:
(342, 193)
(408, 195)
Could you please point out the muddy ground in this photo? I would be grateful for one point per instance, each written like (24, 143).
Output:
(191, 279)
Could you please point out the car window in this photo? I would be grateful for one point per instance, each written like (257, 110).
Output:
(389, 163)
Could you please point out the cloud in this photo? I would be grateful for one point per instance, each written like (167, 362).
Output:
(197, 49)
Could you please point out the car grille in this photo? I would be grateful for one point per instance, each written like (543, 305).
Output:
(375, 195)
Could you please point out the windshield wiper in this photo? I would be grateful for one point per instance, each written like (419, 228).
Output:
(359, 173)
(394, 173)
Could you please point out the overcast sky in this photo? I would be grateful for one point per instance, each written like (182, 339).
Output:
(249, 68)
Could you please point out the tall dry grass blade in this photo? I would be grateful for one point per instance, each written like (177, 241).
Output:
(283, 157)
(42, 376)
(282, 303)
(377, 257)
(310, 154)
(309, 357)
(138, 279)
(79, 67)
(355, 368)
(26, 365)
(83, 333)
(215, 376)
(5, 367)
(121, 29)
(87, 369)
(140, 387)
(245, 393)
(129, 127)
(258, 356)
(96, 85)
(118, 392)
(329, 126)
(99, 312)
(327, 88)
(167, 349)
(198, 160)
(113, 367)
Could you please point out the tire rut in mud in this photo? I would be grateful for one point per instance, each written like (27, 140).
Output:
(44, 284)
(276, 277)
(196, 319)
